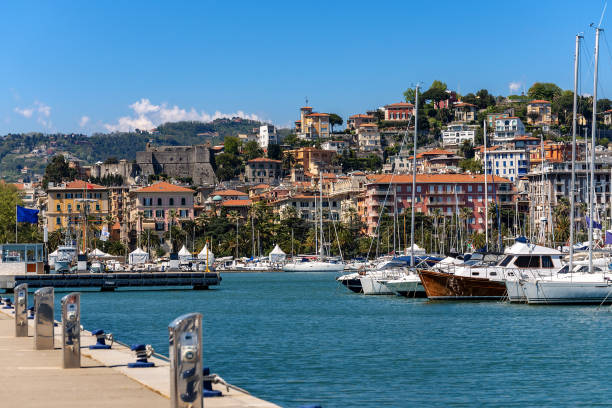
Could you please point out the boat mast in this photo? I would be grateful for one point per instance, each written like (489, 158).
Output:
(573, 179)
(414, 154)
(321, 204)
(484, 124)
(593, 129)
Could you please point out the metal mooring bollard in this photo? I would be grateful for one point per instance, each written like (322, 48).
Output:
(185, 337)
(71, 330)
(43, 319)
(21, 310)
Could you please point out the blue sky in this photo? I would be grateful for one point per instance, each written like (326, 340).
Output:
(100, 66)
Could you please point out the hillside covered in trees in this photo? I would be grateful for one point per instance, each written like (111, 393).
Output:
(33, 150)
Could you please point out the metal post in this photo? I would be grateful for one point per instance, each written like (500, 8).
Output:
(573, 179)
(71, 330)
(593, 130)
(414, 154)
(185, 349)
(43, 319)
(21, 310)
(486, 172)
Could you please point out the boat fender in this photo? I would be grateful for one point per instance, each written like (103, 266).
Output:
(143, 352)
(101, 338)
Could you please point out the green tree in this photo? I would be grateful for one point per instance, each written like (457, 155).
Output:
(335, 120)
(467, 150)
(471, 165)
(275, 152)
(232, 145)
(409, 95)
(484, 99)
(252, 150)
(57, 171)
(544, 90)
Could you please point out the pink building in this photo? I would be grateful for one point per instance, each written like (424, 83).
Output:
(447, 192)
(152, 206)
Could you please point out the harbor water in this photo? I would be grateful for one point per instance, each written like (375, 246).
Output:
(297, 339)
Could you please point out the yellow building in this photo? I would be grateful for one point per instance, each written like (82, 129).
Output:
(311, 157)
(312, 125)
(539, 113)
(66, 203)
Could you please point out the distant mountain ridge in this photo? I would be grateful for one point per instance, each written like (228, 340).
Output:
(32, 150)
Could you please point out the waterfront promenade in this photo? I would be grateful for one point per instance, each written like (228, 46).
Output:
(35, 378)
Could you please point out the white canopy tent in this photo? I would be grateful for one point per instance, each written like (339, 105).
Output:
(98, 253)
(184, 255)
(53, 257)
(138, 256)
(277, 254)
(202, 255)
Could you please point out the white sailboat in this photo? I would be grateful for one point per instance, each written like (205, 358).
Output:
(321, 263)
(583, 287)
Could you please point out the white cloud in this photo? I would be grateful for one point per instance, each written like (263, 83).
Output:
(40, 110)
(43, 109)
(514, 86)
(84, 120)
(25, 112)
(147, 116)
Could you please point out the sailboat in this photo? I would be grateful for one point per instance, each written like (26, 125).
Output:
(577, 287)
(320, 263)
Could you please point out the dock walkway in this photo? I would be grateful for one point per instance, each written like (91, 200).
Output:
(35, 378)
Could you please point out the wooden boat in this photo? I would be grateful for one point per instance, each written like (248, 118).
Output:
(447, 286)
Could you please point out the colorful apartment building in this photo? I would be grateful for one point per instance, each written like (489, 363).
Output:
(67, 204)
(464, 112)
(311, 157)
(448, 193)
(312, 125)
(368, 137)
(492, 117)
(506, 129)
(398, 112)
(158, 206)
(263, 170)
(539, 113)
(357, 120)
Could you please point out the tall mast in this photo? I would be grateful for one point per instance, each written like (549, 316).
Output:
(414, 154)
(321, 204)
(573, 180)
(484, 123)
(593, 129)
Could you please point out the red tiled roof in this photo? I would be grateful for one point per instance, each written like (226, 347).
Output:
(368, 125)
(228, 193)
(19, 186)
(400, 105)
(318, 114)
(164, 187)
(80, 184)
(525, 137)
(237, 203)
(538, 101)
(437, 178)
(361, 115)
(260, 186)
(306, 107)
(461, 104)
(264, 159)
(116, 226)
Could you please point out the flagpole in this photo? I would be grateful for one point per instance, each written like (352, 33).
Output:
(16, 224)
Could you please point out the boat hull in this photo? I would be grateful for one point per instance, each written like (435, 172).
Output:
(313, 267)
(407, 288)
(372, 286)
(559, 293)
(446, 286)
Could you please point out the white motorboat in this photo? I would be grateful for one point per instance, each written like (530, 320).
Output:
(408, 285)
(306, 265)
(351, 281)
(569, 288)
(66, 255)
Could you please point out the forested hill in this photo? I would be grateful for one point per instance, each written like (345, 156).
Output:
(32, 150)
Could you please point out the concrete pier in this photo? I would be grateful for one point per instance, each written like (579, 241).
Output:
(34, 378)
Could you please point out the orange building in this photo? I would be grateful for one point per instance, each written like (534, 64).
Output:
(553, 153)
(307, 157)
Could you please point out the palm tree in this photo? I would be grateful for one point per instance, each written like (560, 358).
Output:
(466, 213)
(172, 215)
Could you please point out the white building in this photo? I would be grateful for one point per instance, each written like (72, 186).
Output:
(456, 133)
(368, 137)
(508, 163)
(507, 129)
(267, 136)
(336, 145)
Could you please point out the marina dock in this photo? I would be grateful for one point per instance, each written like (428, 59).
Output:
(35, 378)
(112, 281)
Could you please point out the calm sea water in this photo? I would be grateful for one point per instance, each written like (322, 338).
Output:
(297, 339)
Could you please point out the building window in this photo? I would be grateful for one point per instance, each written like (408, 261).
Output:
(159, 213)
(418, 189)
(469, 188)
(171, 201)
(58, 221)
(59, 207)
(480, 188)
(58, 196)
(148, 213)
(159, 201)
(68, 195)
(183, 201)
(97, 206)
(69, 207)
(184, 213)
